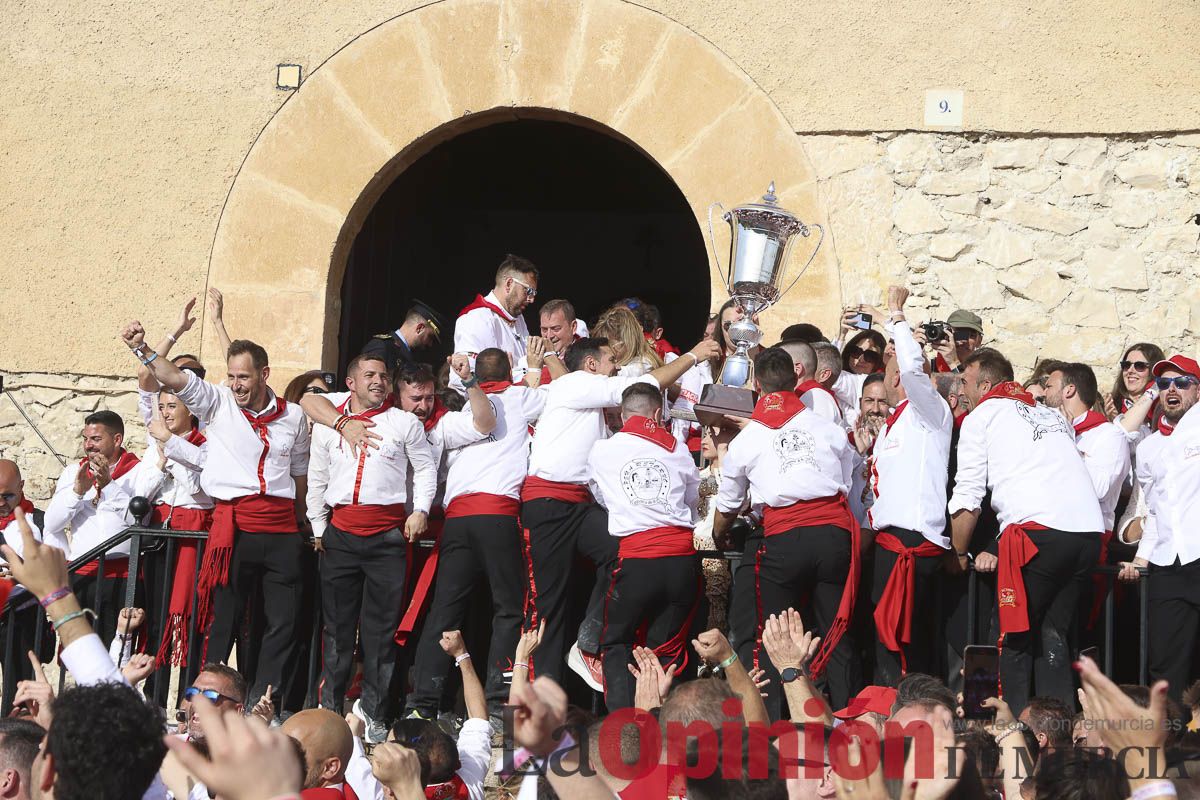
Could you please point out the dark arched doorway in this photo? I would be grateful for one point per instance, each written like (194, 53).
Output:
(600, 219)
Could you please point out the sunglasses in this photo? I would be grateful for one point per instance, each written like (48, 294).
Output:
(963, 335)
(1140, 366)
(862, 352)
(1179, 382)
(314, 390)
(530, 292)
(212, 694)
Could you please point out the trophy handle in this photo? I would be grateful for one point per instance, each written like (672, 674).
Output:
(808, 263)
(722, 273)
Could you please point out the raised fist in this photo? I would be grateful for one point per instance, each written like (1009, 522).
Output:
(133, 334)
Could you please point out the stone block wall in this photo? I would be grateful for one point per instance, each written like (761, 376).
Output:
(1068, 247)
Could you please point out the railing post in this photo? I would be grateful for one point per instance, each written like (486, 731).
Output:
(1109, 612)
(1143, 627)
(135, 563)
(10, 662)
(971, 611)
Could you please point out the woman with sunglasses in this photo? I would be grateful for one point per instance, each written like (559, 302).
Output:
(863, 354)
(1134, 377)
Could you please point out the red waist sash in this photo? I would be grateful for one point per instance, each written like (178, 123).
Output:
(479, 504)
(893, 615)
(1016, 550)
(365, 519)
(672, 540)
(173, 647)
(536, 488)
(807, 514)
(114, 567)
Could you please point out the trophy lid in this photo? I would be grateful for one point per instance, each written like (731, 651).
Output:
(769, 214)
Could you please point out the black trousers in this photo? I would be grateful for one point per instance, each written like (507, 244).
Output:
(1173, 604)
(362, 598)
(271, 561)
(782, 571)
(485, 546)
(1039, 660)
(658, 594)
(919, 655)
(20, 625)
(108, 603)
(557, 532)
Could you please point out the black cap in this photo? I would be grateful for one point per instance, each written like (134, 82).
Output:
(435, 321)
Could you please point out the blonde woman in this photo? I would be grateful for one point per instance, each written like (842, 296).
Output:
(633, 353)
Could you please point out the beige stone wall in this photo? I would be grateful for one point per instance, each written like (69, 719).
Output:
(1068, 247)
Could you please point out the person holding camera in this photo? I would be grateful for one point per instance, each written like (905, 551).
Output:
(953, 340)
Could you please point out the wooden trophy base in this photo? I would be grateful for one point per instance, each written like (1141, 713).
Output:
(719, 401)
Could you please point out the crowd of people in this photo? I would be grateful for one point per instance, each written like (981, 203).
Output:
(596, 523)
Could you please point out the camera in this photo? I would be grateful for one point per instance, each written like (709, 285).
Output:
(935, 331)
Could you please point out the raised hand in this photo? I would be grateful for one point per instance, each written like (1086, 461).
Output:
(397, 768)
(138, 668)
(36, 695)
(452, 643)
(216, 304)
(707, 349)
(760, 679)
(896, 296)
(264, 709)
(248, 761)
(712, 647)
(461, 364)
(535, 352)
(130, 619)
(186, 319)
(133, 334)
(529, 641)
(539, 714)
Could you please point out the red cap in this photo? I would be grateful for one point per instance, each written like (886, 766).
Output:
(1179, 363)
(873, 698)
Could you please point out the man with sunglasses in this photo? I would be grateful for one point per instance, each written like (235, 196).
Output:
(496, 321)
(1168, 469)
(966, 335)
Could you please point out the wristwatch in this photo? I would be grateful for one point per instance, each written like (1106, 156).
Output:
(471, 382)
(789, 674)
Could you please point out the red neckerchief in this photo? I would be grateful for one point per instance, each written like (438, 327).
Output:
(810, 385)
(125, 462)
(1092, 419)
(1165, 427)
(25, 505)
(261, 422)
(494, 387)
(940, 364)
(1011, 390)
(344, 408)
(895, 415)
(195, 436)
(327, 793)
(453, 788)
(651, 431)
(775, 409)
(479, 302)
(958, 420)
(436, 414)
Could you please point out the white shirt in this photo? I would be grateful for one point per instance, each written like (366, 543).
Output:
(92, 525)
(481, 328)
(825, 405)
(337, 477)
(1026, 455)
(912, 456)
(807, 458)
(642, 484)
(455, 429)
(12, 537)
(236, 456)
(498, 463)
(573, 421)
(1105, 451)
(690, 387)
(178, 484)
(1168, 469)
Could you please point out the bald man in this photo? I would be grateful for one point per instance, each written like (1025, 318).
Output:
(328, 747)
(12, 496)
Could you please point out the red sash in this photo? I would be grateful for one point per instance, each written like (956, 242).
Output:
(1016, 550)
(25, 505)
(672, 540)
(536, 488)
(893, 614)
(776, 409)
(173, 647)
(1011, 390)
(326, 793)
(367, 519)
(452, 789)
(480, 302)
(421, 593)
(436, 414)
(1092, 419)
(824, 511)
(254, 513)
(651, 431)
(478, 504)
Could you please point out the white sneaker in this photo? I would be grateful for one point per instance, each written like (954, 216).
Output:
(376, 732)
(587, 667)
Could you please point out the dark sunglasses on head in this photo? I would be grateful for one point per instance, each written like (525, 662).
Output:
(1140, 366)
(315, 390)
(212, 694)
(1180, 382)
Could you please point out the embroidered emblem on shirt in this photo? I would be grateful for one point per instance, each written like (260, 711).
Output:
(794, 447)
(1043, 420)
(1008, 597)
(646, 482)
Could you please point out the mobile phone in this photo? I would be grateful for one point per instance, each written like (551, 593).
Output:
(1093, 653)
(981, 680)
(861, 320)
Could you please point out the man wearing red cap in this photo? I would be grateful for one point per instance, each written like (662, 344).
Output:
(1168, 469)
(873, 702)
(1049, 517)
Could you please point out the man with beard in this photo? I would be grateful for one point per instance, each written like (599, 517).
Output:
(908, 481)
(255, 471)
(496, 321)
(92, 497)
(1168, 469)
(362, 574)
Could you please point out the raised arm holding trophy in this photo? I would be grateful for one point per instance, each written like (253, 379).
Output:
(761, 239)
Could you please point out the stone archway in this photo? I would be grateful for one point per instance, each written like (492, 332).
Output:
(369, 110)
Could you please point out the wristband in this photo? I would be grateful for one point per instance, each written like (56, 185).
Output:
(1018, 727)
(55, 596)
(1155, 789)
(471, 382)
(727, 662)
(341, 423)
(459, 659)
(83, 612)
(146, 362)
(171, 336)
(520, 664)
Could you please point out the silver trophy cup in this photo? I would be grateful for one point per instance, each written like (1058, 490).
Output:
(762, 235)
